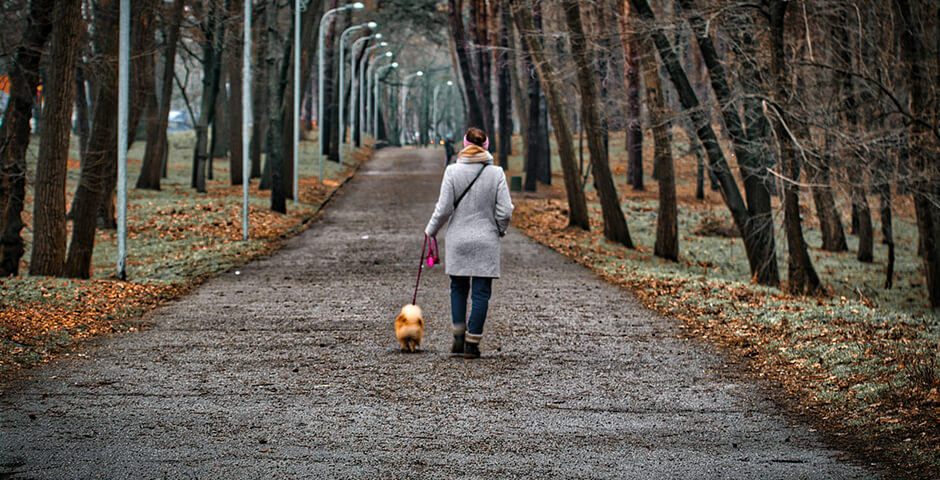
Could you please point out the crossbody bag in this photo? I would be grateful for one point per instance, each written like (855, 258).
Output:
(457, 201)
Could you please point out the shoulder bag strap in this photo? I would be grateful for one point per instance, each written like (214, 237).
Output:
(457, 201)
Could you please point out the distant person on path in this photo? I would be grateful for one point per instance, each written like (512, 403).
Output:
(448, 149)
(475, 198)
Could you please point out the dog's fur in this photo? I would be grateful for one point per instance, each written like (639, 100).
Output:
(409, 327)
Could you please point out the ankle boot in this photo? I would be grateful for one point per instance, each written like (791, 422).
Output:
(471, 350)
(458, 346)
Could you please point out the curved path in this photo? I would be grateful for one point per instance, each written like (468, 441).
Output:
(290, 369)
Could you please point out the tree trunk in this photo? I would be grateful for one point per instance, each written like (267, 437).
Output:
(156, 149)
(615, 224)
(505, 85)
(866, 242)
(802, 276)
(220, 131)
(730, 193)
(479, 26)
(519, 87)
(258, 97)
(752, 147)
(631, 63)
(212, 65)
(861, 213)
(275, 113)
(577, 206)
(92, 184)
(330, 138)
(925, 176)
(49, 234)
(309, 24)
(667, 221)
(143, 19)
(471, 86)
(830, 225)
(883, 187)
(14, 133)
(533, 151)
(233, 63)
(544, 169)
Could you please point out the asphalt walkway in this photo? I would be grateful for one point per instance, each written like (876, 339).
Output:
(289, 368)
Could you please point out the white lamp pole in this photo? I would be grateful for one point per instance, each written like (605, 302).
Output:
(297, 9)
(357, 88)
(367, 84)
(401, 109)
(369, 74)
(320, 52)
(375, 112)
(246, 118)
(342, 81)
(123, 92)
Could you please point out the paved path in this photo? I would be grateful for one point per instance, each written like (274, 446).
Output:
(291, 370)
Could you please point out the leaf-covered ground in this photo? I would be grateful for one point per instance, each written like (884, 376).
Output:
(863, 360)
(176, 238)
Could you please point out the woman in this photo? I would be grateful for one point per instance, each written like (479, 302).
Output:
(475, 198)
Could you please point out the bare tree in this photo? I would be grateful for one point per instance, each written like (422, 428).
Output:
(155, 151)
(14, 134)
(577, 206)
(667, 220)
(92, 183)
(924, 136)
(615, 224)
(472, 85)
(212, 28)
(49, 233)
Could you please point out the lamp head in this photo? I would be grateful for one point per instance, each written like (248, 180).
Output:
(383, 44)
(389, 54)
(419, 73)
(377, 36)
(372, 25)
(450, 83)
(358, 6)
(394, 65)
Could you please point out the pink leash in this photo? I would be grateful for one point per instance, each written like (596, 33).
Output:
(430, 243)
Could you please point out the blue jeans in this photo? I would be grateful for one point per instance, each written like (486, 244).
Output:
(459, 288)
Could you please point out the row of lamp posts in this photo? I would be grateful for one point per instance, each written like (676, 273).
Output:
(358, 82)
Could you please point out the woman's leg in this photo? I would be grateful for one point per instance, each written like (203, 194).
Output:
(459, 289)
(482, 289)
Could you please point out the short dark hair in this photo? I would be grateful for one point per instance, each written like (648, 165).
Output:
(476, 136)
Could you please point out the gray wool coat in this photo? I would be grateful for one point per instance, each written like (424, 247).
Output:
(471, 246)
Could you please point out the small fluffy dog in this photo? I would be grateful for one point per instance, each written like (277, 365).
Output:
(409, 327)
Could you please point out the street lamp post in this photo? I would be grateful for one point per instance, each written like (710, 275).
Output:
(124, 27)
(367, 94)
(369, 73)
(404, 98)
(320, 53)
(375, 113)
(342, 80)
(357, 88)
(434, 108)
(246, 117)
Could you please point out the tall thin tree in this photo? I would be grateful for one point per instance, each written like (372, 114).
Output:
(14, 133)
(49, 232)
(615, 224)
